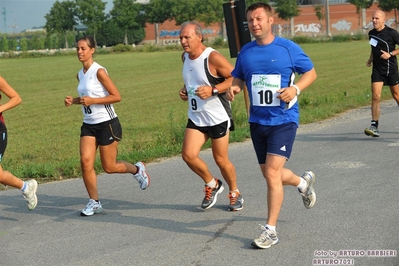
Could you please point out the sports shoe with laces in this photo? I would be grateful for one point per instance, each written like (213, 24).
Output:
(266, 239)
(309, 195)
(30, 193)
(211, 195)
(372, 131)
(142, 177)
(91, 208)
(236, 201)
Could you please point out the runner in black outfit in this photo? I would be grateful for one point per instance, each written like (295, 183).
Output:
(383, 41)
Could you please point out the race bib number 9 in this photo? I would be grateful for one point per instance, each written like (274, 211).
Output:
(195, 102)
(264, 90)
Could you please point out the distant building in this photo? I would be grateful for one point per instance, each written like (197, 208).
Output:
(343, 20)
(34, 30)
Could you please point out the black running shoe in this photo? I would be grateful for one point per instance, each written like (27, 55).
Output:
(211, 195)
(236, 201)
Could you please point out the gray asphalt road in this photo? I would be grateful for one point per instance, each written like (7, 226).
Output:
(356, 210)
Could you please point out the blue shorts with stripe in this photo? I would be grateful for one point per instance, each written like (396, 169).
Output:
(277, 140)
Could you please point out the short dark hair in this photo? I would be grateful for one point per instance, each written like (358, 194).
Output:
(266, 7)
(90, 41)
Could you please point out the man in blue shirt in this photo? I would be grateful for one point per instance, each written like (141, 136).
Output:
(267, 67)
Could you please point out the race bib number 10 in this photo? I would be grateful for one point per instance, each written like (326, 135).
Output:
(264, 90)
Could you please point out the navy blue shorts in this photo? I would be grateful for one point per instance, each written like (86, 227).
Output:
(277, 140)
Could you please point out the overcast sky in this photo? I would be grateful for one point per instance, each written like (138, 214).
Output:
(26, 14)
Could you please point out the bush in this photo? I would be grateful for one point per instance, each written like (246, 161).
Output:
(122, 48)
(303, 39)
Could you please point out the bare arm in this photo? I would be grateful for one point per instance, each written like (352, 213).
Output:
(183, 91)
(14, 98)
(289, 93)
(113, 96)
(219, 66)
(69, 100)
(236, 86)
(370, 61)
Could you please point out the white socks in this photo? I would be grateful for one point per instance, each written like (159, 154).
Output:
(271, 227)
(212, 184)
(302, 184)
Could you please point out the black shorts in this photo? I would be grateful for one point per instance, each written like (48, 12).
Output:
(105, 133)
(3, 142)
(214, 132)
(391, 80)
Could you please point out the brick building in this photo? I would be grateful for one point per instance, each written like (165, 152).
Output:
(343, 20)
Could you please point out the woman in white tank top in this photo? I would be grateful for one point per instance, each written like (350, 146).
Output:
(101, 127)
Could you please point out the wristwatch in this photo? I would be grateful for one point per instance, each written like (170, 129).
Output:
(391, 53)
(298, 91)
(214, 91)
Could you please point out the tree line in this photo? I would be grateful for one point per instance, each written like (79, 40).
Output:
(125, 23)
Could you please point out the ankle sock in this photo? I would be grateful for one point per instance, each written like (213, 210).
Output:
(374, 123)
(302, 184)
(137, 170)
(212, 184)
(271, 227)
(24, 186)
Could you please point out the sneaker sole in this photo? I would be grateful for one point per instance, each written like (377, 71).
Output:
(148, 182)
(94, 212)
(236, 209)
(368, 132)
(263, 247)
(215, 199)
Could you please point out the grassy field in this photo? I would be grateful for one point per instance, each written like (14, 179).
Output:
(44, 134)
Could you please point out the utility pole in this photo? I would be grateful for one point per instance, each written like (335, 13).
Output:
(5, 19)
(328, 19)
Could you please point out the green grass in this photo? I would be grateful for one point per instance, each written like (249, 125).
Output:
(44, 134)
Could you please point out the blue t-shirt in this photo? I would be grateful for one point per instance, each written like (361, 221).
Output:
(265, 69)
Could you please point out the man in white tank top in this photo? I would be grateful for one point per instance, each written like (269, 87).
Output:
(207, 77)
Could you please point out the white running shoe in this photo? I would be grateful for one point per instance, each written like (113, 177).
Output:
(91, 208)
(266, 239)
(142, 177)
(309, 195)
(30, 194)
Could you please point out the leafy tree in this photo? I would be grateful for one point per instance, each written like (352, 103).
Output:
(23, 44)
(128, 15)
(183, 10)
(286, 10)
(4, 44)
(360, 4)
(157, 12)
(388, 5)
(36, 42)
(210, 11)
(112, 34)
(13, 44)
(91, 13)
(318, 9)
(61, 18)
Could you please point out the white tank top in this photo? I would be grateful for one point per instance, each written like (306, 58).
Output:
(208, 112)
(90, 86)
